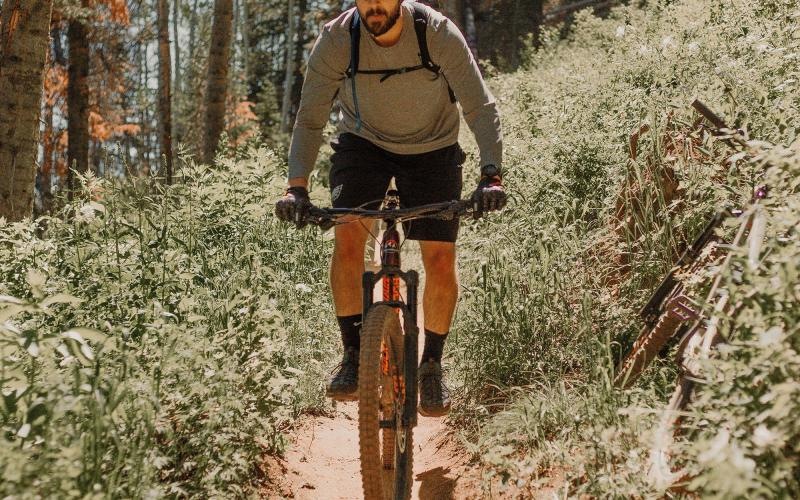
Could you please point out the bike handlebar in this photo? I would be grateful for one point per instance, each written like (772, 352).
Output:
(326, 218)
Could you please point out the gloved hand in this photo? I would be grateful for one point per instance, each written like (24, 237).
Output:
(489, 195)
(294, 206)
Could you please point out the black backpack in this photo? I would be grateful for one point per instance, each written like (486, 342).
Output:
(420, 28)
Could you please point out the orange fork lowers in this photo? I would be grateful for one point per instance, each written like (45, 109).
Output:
(391, 292)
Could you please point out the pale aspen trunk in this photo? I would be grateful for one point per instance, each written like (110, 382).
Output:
(143, 152)
(164, 96)
(217, 88)
(246, 43)
(193, 32)
(24, 40)
(46, 169)
(177, 45)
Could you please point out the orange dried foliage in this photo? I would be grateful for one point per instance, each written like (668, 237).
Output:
(244, 112)
(55, 84)
(242, 123)
(117, 11)
(101, 129)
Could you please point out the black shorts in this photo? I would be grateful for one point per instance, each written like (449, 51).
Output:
(361, 173)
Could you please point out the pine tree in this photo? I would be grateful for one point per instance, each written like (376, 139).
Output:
(77, 98)
(24, 37)
(217, 86)
(164, 95)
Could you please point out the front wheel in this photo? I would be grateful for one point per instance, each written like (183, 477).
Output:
(386, 450)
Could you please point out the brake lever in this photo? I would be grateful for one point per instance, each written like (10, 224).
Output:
(320, 217)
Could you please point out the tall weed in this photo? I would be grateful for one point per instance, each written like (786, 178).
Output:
(158, 340)
(550, 300)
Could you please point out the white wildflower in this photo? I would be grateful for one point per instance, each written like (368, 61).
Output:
(770, 337)
(715, 449)
(86, 213)
(742, 463)
(302, 288)
(620, 31)
(763, 437)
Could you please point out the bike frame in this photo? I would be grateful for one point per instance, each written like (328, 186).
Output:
(390, 275)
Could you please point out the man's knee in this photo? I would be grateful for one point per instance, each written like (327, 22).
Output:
(439, 258)
(349, 242)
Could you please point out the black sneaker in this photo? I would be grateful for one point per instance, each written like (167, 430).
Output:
(343, 385)
(434, 397)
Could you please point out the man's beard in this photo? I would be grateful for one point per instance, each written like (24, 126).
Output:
(378, 27)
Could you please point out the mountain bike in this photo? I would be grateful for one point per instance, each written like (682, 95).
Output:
(387, 374)
(672, 313)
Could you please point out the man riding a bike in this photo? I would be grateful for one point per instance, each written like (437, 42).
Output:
(397, 69)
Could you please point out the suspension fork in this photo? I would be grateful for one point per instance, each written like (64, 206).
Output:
(390, 276)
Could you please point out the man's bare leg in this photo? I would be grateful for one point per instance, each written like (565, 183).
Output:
(439, 303)
(347, 266)
(441, 284)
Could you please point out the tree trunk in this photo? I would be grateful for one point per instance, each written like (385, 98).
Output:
(46, 170)
(175, 27)
(217, 88)
(164, 96)
(193, 32)
(454, 10)
(143, 149)
(246, 43)
(77, 101)
(299, 49)
(501, 26)
(538, 19)
(470, 33)
(24, 39)
(287, 84)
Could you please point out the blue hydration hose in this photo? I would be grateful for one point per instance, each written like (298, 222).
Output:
(354, 68)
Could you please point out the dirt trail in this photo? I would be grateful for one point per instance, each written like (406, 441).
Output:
(322, 463)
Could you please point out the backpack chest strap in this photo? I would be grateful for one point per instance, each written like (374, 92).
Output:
(420, 29)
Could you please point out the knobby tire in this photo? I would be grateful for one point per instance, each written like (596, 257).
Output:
(384, 464)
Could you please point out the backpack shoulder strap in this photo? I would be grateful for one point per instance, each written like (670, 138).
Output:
(355, 43)
(421, 29)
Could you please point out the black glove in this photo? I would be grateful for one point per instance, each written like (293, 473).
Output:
(490, 194)
(294, 206)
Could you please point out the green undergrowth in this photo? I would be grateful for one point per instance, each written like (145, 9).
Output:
(552, 286)
(157, 341)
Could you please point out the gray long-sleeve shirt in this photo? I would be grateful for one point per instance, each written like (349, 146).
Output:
(409, 113)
